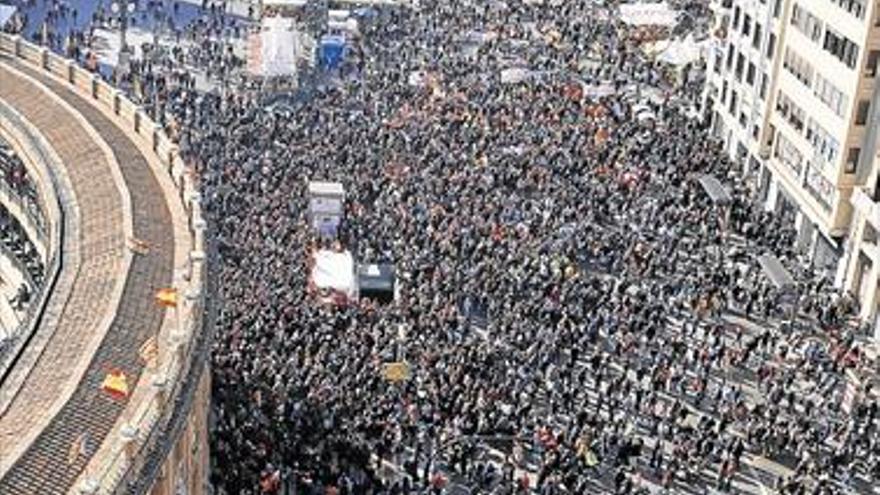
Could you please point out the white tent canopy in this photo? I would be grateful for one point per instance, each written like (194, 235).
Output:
(284, 3)
(678, 52)
(6, 13)
(647, 14)
(515, 75)
(279, 46)
(333, 270)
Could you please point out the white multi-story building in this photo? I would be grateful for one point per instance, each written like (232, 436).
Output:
(862, 278)
(741, 74)
(790, 91)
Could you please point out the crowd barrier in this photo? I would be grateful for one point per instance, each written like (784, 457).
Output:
(146, 440)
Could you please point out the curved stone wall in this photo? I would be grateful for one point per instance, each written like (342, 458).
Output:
(164, 444)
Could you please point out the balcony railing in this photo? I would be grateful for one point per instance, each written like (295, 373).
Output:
(167, 418)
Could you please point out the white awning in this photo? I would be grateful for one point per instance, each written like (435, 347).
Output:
(647, 14)
(326, 188)
(284, 3)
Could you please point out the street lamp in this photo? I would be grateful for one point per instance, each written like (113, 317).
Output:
(122, 9)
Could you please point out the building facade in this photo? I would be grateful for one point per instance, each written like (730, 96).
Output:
(791, 92)
(863, 264)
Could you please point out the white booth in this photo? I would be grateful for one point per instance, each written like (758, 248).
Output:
(326, 203)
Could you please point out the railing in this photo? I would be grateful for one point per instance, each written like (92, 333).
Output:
(142, 472)
(19, 266)
(34, 215)
(134, 466)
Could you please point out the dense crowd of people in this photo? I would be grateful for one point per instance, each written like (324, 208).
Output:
(629, 341)
(609, 361)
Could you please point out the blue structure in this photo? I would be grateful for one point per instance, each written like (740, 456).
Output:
(332, 51)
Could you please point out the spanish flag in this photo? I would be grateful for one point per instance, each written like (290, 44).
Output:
(116, 385)
(167, 297)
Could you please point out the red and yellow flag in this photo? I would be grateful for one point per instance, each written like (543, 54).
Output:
(167, 297)
(116, 385)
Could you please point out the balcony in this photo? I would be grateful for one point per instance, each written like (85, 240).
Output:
(863, 203)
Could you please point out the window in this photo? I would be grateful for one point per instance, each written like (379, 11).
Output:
(819, 187)
(862, 112)
(740, 65)
(747, 25)
(771, 45)
(750, 74)
(756, 38)
(788, 154)
(852, 159)
(798, 67)
(791, 112)
(823, 143)
(736, 13)
(729, 56)
(732, 107)
(841, 47)
(724, 92)
(871, 63)
(777, 7)
(742, 120)
(807, 23)
(828, 94)
(876, 192)
(765, 82)
(854, 7)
